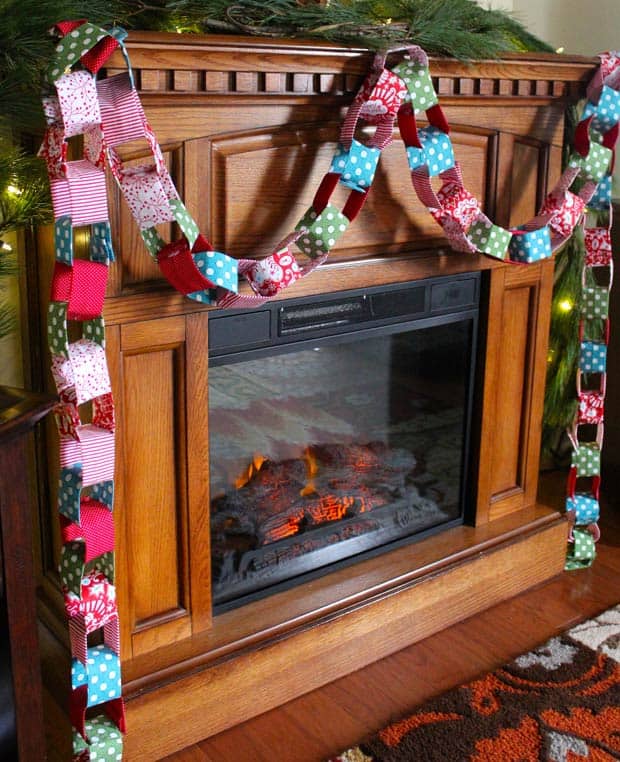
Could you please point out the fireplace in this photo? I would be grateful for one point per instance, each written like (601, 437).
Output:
(250, 180)
(339, 428)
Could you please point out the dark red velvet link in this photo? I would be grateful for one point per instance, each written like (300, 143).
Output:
(609, 141)
(571, 482)
(354, 204)
(571, 485)
(437, 118)
(96, 57)
(408, 127)
(96, 528)
(582, 139)
(64, 27)
(177, 264)
(82, 286)
(78, 700)
(116, 712)
(325, 190)
(581, 142)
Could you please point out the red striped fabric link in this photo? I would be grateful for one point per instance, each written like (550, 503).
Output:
(383, 135)
(350, 122)
(94, 450)
(121, 111)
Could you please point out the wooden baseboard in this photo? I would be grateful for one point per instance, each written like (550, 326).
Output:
(166, 719)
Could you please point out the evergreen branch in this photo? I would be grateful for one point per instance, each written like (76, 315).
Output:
(24, 189)
(8, 320)
(8, 264)
(458, 28)
(564, 346)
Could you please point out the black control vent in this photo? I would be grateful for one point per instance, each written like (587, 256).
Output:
(316, 317)
(399, 303)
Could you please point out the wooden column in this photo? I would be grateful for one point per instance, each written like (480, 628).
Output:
(611, 445)
(19, 413)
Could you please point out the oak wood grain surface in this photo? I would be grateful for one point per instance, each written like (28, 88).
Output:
(326, 721)
(247, 127)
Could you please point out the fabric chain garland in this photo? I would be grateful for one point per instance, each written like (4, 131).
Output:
(108, 113)
(597, 128)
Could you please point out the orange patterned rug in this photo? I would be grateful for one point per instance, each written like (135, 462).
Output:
(558, 703)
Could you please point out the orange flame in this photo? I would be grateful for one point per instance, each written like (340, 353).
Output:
(255, 466)
(312, 468)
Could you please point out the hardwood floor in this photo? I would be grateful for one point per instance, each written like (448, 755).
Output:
(326, 721)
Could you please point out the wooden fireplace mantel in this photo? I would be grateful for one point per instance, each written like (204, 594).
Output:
(248, 127)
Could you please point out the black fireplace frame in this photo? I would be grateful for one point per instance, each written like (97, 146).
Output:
(278, 327)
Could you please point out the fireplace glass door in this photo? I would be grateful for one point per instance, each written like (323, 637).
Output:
(326, 448)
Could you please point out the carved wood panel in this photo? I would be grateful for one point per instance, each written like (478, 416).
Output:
(263, 181)
(514, 382)
(511, 409)
(164, 591)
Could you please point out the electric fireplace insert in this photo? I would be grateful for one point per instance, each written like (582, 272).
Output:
(338, 427)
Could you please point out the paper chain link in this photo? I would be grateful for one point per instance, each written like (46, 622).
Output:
(80, 372)
(596, 132)
(108, 113)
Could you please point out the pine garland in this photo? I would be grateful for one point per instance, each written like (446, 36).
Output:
(24, 201)
(8, 315)
(26, 46)
(457, 28)
(563, 355)
(24, 189)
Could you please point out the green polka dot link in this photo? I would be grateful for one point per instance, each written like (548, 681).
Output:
(420, 89)
(587, 459)
(489, 238)
(594, 166)
(595, 302)
(322, 231)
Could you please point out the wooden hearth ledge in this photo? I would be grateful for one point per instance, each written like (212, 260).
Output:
(248, 128)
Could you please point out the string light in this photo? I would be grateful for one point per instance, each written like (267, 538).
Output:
(566, 305)
(4, 246)
(14, 190)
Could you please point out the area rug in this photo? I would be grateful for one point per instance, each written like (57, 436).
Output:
(558, 703)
